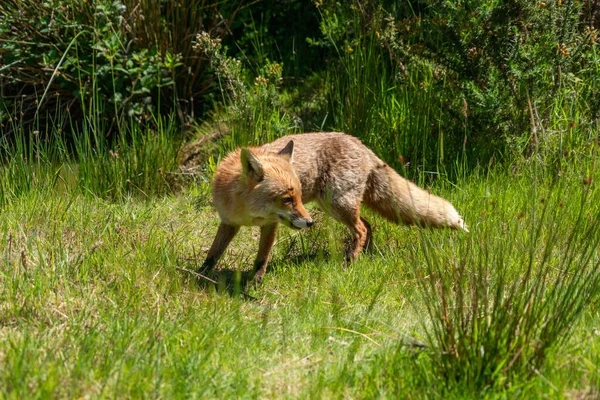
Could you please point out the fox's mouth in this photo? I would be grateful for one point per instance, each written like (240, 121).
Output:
(288, 223)
(295, 223)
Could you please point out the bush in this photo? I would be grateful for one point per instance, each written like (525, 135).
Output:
(430, 78)
(105, 60)
(255, 108)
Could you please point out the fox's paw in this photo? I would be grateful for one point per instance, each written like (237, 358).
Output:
(207, 266)
(257, 279)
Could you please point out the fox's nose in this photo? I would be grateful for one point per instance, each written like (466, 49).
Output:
(309, 223)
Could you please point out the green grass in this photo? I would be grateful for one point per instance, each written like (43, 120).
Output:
(140, 162)
(95, 301)
(98, 225)
(92, 302)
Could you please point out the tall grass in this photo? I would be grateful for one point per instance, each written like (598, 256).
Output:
(139, 161)
(394, 119)
(26, 163)
(515, 289)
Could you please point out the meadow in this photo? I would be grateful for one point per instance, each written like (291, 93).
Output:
(105, 206)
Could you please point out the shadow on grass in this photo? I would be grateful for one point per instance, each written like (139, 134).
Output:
(233, 282)
(236, 282)
(299, 258)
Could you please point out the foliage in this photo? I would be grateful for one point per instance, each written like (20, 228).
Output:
(277, 30)
(492, 75)
(255, 107)
(126, 59)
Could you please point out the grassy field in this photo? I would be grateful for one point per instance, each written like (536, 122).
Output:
(95, 302)
(114, 115)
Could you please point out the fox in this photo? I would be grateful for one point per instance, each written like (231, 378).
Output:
(269, 185)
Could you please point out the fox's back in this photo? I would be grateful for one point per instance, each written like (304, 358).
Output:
(327, 158)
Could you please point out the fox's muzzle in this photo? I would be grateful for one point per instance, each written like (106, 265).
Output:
(301, 218)
(296, 221)
(302, 223)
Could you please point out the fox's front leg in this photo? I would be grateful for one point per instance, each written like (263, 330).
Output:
(225, 234)
(267, 240)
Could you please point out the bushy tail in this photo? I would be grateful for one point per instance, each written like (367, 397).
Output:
(400, 200)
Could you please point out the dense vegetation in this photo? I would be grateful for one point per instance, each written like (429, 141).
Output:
(114, 114)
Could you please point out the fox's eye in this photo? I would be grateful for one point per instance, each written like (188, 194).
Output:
(287, 200)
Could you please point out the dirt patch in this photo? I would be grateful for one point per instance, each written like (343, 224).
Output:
(195, 153)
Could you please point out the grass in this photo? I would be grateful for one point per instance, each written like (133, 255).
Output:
(96, 235)
(139, 162)
(96, 232)
(93, 303)
(506, 296)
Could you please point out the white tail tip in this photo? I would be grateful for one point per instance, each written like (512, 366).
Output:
(462, 225)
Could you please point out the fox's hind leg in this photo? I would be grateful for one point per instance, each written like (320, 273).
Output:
(369, 243)
(359, 228)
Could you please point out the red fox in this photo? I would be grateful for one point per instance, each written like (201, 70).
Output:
(267, 185)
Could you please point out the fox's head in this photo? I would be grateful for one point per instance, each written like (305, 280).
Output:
(275, 193)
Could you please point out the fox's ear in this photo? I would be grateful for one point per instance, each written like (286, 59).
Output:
(251, 165)
(288, 151)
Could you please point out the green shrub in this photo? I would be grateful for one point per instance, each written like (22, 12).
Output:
(104, 60)
(255, 111)
(432, 79)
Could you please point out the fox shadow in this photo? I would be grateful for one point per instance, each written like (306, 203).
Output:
(230, 281)
(235, 282)
(297, 259)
